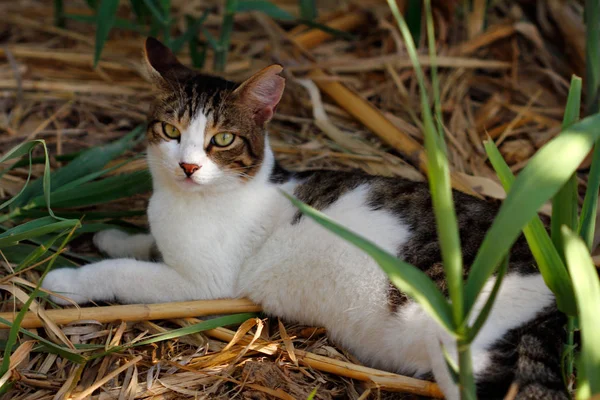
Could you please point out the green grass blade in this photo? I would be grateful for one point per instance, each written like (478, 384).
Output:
(308, 10)
(18, 195)
(16, 325)
(548, 259)
(212, 41)
(19, 253)
(592, 56)
(157, 13)
(139, 9)
(39, 252)
(87, 215)
(413, 19)
(564, 204)
(265, 7)
(19, 150)
(231, 7)
(119, 23)
(197, 52)
(406, 277)
(546, 172)
(75, 185)
(40, 160)
(88, 162)
(439, 183)
(193, 26)
(212, 323)
(487, 307)
(106, 14)
(589, 210)
(435, 83)
(99, 192)
(336, 33)
(35, 228)
(48, 345)
(59, 13)
(587, 292)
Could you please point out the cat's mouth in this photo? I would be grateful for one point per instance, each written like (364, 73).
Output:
(188, 183)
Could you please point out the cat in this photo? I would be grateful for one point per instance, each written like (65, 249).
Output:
(220, 228)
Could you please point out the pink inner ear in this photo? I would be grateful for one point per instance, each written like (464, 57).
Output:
(262, 93)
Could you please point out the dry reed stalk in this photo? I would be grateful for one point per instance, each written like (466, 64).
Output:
(85, 393)
(370, 116)
(384, 380)
(137, 312)
(373, 119)
(315, 37)
(81, 58)
(29, 23)
(66, 86)
(400, 61)
(493, 34)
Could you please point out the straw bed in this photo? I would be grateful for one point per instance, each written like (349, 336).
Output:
(350, 103)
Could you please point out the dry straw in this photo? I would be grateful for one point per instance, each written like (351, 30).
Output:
(365, 115)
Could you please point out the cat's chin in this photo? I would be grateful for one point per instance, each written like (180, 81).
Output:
(189, 185)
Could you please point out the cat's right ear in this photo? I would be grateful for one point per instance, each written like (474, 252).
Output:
(164, 68)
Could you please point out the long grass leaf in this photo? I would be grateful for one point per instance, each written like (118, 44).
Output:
(156, 12)
(489, 303)
(592, 56)
(33, 229)
(548, 259)
(413, 19)
(439, 184)
(59, 13)
(19, 253)
(106, 14)
(231, 7)
(546, 172)
(39, 252)
(564, 204)
(406, 277)
(16, 326)
(103, 191)
(119, 23)
(50, 346)
(188, 330)
(193, 26)
(88, 162)
(266, 7)
(587, 292)
(308, 9)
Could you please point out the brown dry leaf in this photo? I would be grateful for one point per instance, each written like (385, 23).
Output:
(287, 341)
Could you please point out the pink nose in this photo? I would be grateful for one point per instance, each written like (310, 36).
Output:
(189, 169)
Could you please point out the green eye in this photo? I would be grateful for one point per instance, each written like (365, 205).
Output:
(170, 131)
(223, 139)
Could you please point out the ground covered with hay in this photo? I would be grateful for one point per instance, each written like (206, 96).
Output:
(351, 102)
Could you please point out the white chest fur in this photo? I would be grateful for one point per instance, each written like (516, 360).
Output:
(208, 237)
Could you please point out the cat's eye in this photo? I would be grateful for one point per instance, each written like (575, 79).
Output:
(170, 131)
(222, 139)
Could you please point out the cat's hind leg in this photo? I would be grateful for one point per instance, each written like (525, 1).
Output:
(119, 244)
(124, 280)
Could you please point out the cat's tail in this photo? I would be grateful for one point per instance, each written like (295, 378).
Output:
(526, 362)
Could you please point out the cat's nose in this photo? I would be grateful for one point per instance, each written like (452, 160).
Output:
(189, 169)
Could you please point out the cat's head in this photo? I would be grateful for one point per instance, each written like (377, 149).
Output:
(203, 131)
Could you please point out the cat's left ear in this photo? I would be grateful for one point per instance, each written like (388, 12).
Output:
(163, 67)
(261, 93)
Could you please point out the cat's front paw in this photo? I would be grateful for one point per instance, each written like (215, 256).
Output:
(110, 241)
(63, 281)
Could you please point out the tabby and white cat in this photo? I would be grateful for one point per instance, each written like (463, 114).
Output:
(220, 228)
